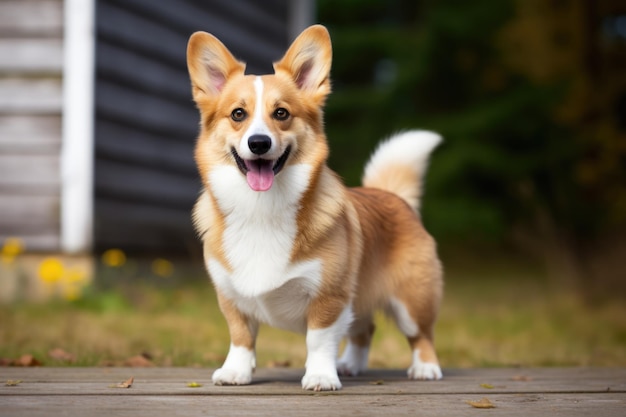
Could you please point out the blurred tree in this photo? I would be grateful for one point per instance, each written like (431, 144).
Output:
(526, 94)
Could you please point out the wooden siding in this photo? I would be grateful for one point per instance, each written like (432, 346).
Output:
(146, 123)
(30, 121)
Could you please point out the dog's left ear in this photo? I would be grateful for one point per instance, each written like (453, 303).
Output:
(308, 61)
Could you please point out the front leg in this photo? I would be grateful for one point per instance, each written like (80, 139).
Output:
(327, 323)
(241, 360)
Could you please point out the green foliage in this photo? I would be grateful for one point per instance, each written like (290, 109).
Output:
(437, 65)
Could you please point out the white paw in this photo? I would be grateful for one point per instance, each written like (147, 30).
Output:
(353, 361)
(229, 376)
(425, 371)
(351, 366)
(347, 368)
(321, 382)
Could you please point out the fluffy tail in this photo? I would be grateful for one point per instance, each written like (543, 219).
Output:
(399, 164)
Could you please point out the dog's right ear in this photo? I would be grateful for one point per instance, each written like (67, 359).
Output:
(210, 65)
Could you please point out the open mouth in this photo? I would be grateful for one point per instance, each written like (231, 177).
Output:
(260, 172)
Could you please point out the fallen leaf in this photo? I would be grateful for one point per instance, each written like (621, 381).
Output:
(279, 364)
(139, 361)
(521, 378)
(6, 362)
(126, 384)
(483, 403)
(61, 355)
(13, 382)
(194, 384)
(487, 386)
(27, 360)
(378, 382)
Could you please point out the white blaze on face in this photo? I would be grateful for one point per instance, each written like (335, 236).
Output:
(260, 175)
(258, 125)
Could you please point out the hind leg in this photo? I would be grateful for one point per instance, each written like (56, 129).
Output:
(354, 358)
(425, 365)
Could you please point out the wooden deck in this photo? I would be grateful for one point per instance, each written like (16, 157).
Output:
(158, 392)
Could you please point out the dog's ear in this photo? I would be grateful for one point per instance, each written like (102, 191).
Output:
(210, 65)
(308, 61)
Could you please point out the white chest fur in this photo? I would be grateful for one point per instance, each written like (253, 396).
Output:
(284, 307)
(258, 241)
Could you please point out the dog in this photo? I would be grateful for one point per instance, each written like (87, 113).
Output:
(284, 241)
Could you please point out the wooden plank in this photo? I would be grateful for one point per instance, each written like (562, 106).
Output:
(31, 96)
(286, 381)
(323, 405)
(31, 18)
(145, 110)
(164, 392)
(30, 133)
(142, 32)
(137, 226)
(31, 55)
(261, 18)
(38, 242)
(117, 25)
(29, 214)
(134, 146)
(142, 72)
(30, 173)
(132, 182)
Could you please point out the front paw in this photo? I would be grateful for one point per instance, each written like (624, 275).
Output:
(229, 376)
(426, 371)
(321, 382)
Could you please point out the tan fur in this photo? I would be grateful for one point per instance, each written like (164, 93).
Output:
(398, 256)
(401, 180)
(210, 222)
(371, 242)
(242, 331)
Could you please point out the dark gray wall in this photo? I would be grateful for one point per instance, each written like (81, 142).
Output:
(146, 124)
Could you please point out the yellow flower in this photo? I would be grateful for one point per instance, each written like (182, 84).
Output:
(50, 270)
(12, 247)
(76, 276)
(162, 268)
(72, 292)
(114, 258)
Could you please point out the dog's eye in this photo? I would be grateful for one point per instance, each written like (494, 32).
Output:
(238, 114)
(281, 114)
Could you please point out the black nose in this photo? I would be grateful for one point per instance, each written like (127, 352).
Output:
(259, 144)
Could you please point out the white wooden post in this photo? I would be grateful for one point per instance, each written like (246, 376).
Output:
(77, 154)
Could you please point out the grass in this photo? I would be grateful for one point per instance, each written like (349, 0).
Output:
(490, 317)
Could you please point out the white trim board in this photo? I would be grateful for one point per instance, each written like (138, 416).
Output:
(77, 152)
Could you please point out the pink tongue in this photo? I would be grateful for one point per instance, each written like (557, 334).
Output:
(260, 176)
